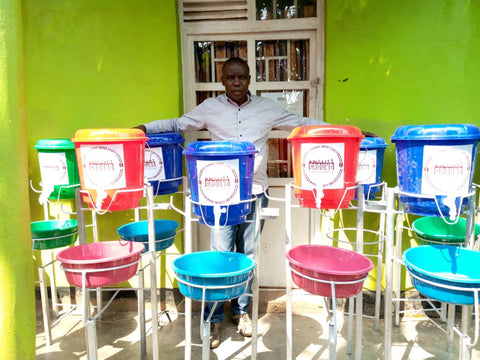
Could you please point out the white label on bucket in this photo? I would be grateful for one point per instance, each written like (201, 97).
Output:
(103, 166)
(218, 182)
(367, 167)
(323, 165)
(53, 168)
(154, 169)
(446, 170)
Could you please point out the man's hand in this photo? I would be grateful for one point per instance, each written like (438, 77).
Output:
(368, 134)
(141, 127)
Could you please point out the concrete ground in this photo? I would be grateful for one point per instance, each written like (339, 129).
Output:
(118, 335)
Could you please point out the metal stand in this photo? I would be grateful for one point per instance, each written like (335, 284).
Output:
(57, 315)
(205, 325)
(393, 265)
(150, 257)
(377, 206)
(331, 318)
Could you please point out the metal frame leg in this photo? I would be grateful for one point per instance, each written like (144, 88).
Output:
(141, 315)
(389, 236)
(45, 307)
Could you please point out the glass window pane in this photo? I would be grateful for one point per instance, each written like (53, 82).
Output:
(279, 163)
(203, 64)
(295, 101)
(202, 95)
(226, 49)
(282, 60)
(307, 8)
(264, 9)
(299, 56)
(285, 9)
(210, 56)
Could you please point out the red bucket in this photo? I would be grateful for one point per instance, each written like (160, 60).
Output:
(111, 167)
(325, 159)
(328, 264)
(98, 260)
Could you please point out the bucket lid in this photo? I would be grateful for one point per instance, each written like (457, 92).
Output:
(316, 131)
(437, 132)
(215, 148)
(102, 135)
(168, 138)
(54, 144)
(372, 143)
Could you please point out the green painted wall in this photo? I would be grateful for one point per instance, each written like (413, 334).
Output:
(116, 63)
(98, 64)
(17, 301)
(394, 63)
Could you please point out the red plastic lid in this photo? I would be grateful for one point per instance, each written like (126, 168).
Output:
(102, 135)
(316, 131)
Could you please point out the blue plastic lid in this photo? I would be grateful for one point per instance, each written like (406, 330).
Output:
(214, 148)
(437, 132)
(54, 144)
(167, 138)
(372, 143)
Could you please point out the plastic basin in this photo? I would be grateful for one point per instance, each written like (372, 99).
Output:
(444, 273)
(223, 274)
(97, 261)
(52, 234)
(435, 230)
(328, 264)
(165, 231)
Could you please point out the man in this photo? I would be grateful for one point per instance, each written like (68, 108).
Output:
(241, 116)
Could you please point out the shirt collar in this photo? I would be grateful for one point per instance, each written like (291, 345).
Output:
(249, 98)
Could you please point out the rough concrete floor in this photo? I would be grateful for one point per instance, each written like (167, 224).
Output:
(118, 335)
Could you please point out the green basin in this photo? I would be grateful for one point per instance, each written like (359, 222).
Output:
(51, 234)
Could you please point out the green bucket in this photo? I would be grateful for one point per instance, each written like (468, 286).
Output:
(434, 230)
(58, 168)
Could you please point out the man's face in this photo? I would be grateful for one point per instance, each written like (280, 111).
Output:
(236, 80)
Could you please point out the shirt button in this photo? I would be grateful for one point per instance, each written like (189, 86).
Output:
(240, 122)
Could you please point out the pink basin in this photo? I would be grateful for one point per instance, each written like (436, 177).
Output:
(328, 264)
(96, 260)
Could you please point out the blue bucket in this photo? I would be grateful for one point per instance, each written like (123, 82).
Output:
(370, 165)
(165, 231)
(164, 162)
(224, 275)
(434, 268)
(221, 180)
(435, 167)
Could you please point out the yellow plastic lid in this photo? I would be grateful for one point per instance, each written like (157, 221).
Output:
(101, 135)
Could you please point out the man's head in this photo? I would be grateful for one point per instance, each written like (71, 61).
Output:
(236, 79)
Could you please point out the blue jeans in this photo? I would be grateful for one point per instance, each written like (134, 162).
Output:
(239, 238)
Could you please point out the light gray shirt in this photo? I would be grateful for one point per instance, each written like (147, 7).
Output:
(225, 120)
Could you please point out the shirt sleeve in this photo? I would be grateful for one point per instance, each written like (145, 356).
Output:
(286, 120)
(192, 121)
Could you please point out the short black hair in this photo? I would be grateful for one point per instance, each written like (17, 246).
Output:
(236, 60)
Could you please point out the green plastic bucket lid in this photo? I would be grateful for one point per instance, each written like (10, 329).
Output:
(54, 144)
(435, 228)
